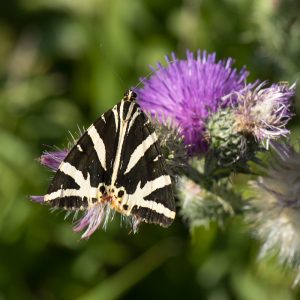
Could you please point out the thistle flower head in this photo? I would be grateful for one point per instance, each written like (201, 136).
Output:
(172, 145)
(99, 215)
(200, 207)
(188, 91)
(264, 112)
(228, 146)
(53, 159)
(275, 212)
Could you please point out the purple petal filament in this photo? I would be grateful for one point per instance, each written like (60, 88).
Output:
(188, 91)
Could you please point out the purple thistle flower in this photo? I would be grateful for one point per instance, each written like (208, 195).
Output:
(38, 199)
(93, 218)
(188, 91)
(99, 215)
(53, 159)
(265, 111)
(275, 210)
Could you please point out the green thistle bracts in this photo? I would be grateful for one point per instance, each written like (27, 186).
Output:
(201, 207)
(228, 145)
(172, 145)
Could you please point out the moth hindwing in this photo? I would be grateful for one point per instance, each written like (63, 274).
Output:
(117, 164)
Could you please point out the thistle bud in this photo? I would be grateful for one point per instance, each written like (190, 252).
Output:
(200, 207)
(228, 144)
(171, 141)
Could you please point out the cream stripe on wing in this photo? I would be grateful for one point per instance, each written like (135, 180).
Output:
(156, 207)
(135, 115)
(71, 192)
(137, 198)
(155, 184)
(70, 170)
(140, 150)
(98, 145)
(122, 132)
(84, 184)
(116, 117)
(85, 188)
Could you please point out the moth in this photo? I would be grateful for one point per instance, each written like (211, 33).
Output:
(116, 165)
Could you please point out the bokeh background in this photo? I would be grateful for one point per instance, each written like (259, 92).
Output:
(63, 63)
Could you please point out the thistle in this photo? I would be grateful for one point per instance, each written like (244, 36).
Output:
(264, 112)
(258, 117)
(229, 148)
(200, 206)
(275, 210)
(52, 159)
(189, 91)
(208, 123)
(173, 147)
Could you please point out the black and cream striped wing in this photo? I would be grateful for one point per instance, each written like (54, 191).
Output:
(117, 160)
(143, 171)
(87, 166)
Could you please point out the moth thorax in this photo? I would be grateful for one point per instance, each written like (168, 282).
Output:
(115, 197)
(129, 95)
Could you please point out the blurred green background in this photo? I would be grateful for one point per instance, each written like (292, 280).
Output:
(63, 63)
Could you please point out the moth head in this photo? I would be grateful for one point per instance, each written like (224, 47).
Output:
(130, 95)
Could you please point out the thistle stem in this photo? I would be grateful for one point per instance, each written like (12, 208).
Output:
(197, 177)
